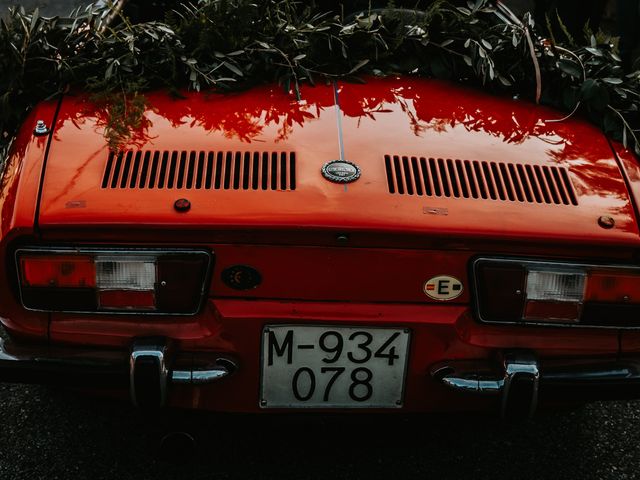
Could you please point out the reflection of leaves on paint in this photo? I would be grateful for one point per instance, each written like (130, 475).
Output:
(122, 118)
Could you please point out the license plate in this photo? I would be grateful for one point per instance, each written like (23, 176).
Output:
(333, 367)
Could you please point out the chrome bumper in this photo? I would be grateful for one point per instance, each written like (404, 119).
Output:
(521, 380)
(148, 369)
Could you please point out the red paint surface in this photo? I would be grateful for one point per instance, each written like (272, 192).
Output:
(376, 277)
(18, 200)
(395, 116)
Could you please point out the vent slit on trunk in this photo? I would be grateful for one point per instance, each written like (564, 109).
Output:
(125, 170)
(444, 178)
(562, 190)
(255, 176)
(437, 184)
(416, 176)
(108, 171)
(487, 178)
(544, 188)
(387, 166)
(200, 170)
(567, 183)
(264, 171)
(246, 169)
(533, 181)
(407, 175)
(455, 178)
(145, 170)
(292, 171)
(208, 179)
(218, 169)
(135, 170)
(283, 171)
(399, 176)
(462, 176)
(497, 179)
(553, 190)
(173, 163)
(236, 170)
(471, 175)
(274, 171)
(191, 168)
(428, 182)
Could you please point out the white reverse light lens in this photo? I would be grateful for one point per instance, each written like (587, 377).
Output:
(132, 273)
(556, 286)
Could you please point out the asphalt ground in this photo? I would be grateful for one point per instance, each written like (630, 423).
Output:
(56, 434)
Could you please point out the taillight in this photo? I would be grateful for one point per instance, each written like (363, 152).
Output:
(522, 291)
(171, 282)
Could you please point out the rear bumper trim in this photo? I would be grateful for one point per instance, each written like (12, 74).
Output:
(574, 380)
(95, 368)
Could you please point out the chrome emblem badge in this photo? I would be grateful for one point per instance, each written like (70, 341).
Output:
(341, 171)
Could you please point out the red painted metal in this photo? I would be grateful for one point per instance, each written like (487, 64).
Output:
(18, 200)
(337, 254)
(395, 116)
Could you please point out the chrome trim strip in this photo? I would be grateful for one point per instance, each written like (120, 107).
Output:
(203, 376)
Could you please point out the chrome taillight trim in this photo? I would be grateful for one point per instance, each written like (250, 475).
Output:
(210, 256)
(475, 300)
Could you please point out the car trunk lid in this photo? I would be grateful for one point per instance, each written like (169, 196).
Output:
(436, 160)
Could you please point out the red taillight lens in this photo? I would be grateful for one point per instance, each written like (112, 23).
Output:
(554, 292)
(162, 282)
(127, 300)
(611, 286)
(77, 271)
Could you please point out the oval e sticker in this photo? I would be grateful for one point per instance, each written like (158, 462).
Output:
(443, 288)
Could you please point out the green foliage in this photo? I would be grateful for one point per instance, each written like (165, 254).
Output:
(234, 44)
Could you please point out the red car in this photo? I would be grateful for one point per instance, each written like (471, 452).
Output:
(403, 245)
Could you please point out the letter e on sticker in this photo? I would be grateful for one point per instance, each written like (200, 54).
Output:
(443, 288)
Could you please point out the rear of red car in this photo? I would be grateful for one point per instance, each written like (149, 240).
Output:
(403, 245)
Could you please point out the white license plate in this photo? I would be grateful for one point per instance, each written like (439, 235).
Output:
(333, 367)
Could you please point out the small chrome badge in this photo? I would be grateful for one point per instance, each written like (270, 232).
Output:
(341, 171)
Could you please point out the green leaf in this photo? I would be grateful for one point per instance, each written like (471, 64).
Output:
(358, 66)
(594, 51)
(570, 67)
(233, 68)
(504, 81)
